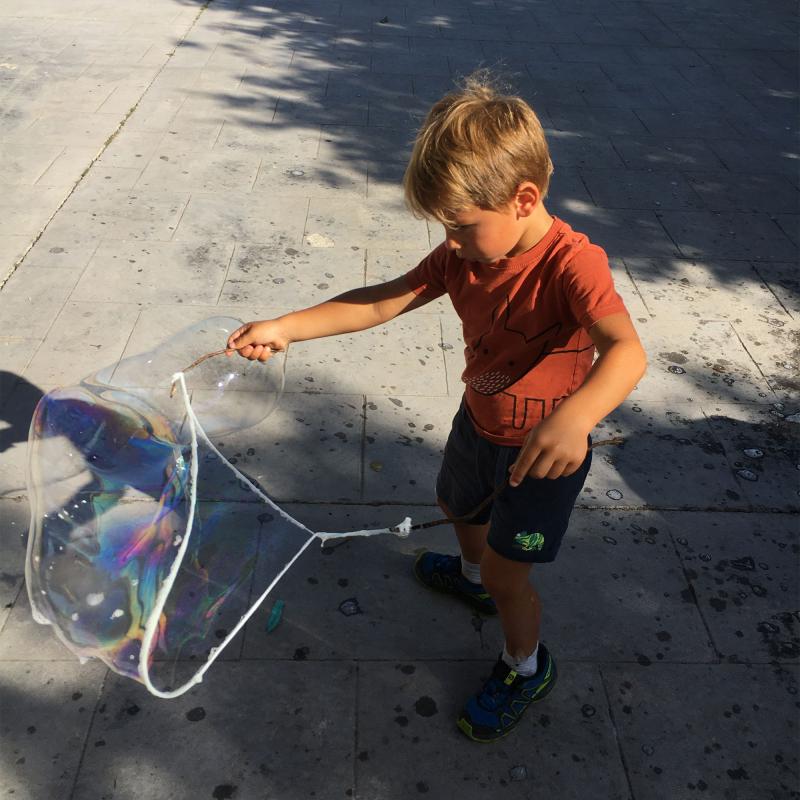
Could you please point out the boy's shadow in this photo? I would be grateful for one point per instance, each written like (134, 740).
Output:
(18, 409)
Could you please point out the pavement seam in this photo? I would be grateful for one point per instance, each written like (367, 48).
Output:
(695, 598)
(180, 218)
(305, 223)
(66, 302)
(766, 283)
(679, 252)
(362, 477)
(12, 604)
(88, 733)
(444, 357)
(617, 739)
(127, 341)
(783, 232)
(227, 272)
(356, 695)
(634, 284)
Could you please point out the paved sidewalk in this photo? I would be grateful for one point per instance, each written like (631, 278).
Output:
(165, 161)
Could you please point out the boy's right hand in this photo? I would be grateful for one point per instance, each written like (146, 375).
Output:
(257, 341)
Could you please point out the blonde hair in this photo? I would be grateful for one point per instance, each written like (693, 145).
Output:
(475, 148)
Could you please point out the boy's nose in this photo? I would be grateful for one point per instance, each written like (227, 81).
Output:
(451, 244)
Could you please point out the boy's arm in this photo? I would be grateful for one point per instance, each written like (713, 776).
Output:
(352, 311)
(557, 446)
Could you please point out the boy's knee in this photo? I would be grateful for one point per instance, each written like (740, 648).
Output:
(503, 584)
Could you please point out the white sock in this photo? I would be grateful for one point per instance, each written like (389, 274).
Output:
(472, 572)
(525, 666)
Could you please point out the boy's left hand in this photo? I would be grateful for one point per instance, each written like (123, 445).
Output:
(554, 449)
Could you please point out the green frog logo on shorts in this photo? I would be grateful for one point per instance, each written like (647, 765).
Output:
(529, 541)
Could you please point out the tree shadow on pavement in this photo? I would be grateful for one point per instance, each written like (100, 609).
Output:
(711, 491)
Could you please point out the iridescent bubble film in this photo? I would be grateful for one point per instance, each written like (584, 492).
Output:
(116, 509)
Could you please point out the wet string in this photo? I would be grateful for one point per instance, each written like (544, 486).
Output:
(197, 433)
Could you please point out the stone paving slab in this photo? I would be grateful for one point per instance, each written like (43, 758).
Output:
(374, 361)
(24, 640)
(15, 354)
(618, 593)
(62, 244)
(773, 346)
(408, 743)
(641, 190)
(350, 223)
(47, 710)
(405, 439)
(14, 520)
(221, 745)
(763, 450)
(277, 221)
(267, 276)
(624, 233)
(705, 361)
(734, 155)
(268, 138)
(675, 288)
(713, 742)
(728, 235)
(25, 164)
(687, 463)
(661, 154)
(277, 452)
(16, 407)
(184, 272)
(320, 179)
(83, 336)
(358, 599)
(32, 299)
(742, 570)
(756, 193)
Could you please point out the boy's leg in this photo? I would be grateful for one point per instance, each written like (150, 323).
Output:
(517, 602)
(461, 486)
(471, 538)
(459, 575)
(525, 672)
(527, 526)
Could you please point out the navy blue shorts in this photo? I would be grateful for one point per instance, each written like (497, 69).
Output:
(527, 522)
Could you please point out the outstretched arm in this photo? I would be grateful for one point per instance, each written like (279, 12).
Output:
(557, 446)
(352, 311)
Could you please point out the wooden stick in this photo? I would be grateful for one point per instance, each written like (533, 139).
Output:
(200, 360)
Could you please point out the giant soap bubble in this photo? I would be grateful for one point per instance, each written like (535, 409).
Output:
(144, 539)
(123, 560)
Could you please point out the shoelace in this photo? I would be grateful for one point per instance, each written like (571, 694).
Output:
(494, 692)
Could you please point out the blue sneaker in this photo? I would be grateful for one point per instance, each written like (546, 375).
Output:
(443, 573)
(499, 706)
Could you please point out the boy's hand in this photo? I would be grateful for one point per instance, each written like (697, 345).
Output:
(554, 449)
(257, 341)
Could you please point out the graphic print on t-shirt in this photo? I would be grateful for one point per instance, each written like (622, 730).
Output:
(538, 345)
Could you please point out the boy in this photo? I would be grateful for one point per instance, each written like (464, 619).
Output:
(536, 299)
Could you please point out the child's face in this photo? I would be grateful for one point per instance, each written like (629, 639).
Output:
(486, 236)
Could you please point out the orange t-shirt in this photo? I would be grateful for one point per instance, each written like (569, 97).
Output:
(525, 322)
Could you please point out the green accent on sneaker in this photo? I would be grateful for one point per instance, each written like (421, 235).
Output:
(529, 541)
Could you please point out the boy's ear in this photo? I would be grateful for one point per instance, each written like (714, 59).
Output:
(527, 198)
